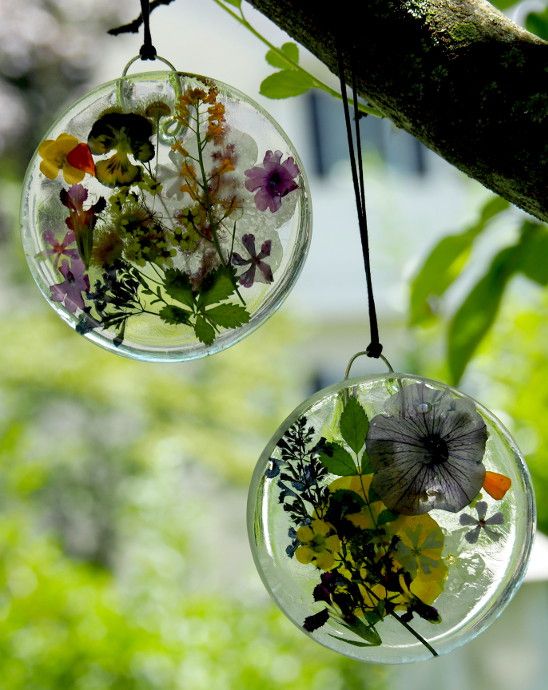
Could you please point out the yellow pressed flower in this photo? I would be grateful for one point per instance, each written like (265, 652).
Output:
(54, 158)
(319, 544)
(360, 484)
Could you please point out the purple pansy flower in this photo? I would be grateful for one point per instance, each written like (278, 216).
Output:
(273, 180)
(69, 292)
(481, 523)
(254, 262)
(59, 249)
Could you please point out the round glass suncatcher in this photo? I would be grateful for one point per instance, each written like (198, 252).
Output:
(165, 216)
(391, 518)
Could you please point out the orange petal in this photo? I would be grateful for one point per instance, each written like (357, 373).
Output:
(80, 158)
(496, 484)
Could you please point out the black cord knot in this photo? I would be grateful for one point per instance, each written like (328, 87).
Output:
(374, 350)
(147, 52)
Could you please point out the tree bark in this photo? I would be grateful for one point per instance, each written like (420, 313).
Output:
(456, 74)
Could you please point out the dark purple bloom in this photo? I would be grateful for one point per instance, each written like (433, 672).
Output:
(59, 249)
(481, 523)
(254, 262)
(273, 180)
(69, 292)
(427, 451)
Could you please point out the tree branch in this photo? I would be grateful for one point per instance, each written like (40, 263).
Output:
(133, 27)
(457, 74)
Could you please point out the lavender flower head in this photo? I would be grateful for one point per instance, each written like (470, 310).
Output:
(272, 180)
(427, 451)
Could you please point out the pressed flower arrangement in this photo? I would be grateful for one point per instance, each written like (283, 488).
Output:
(165, 216)
(387, 514)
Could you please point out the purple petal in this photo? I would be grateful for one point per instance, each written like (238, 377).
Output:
(466, 519)
(69, 238)
(256, 178)
(266, 248)
(472, 536)
(291, 167)
(272, 158)
(248, 241)
(248, 278)
(481, 507)
(49, 237)
(264, 200)
(496, 519)
(266, 271)
(238, 260)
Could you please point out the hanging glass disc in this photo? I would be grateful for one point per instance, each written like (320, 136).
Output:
(165, 216)
(391, 518)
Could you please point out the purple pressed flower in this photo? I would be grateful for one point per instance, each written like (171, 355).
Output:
(481, 523)
(254, 262)
(427, 451)
(59, 249)
(69, 292)
(273, 180)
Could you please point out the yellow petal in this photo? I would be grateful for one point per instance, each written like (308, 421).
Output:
(304, 554)
(325, 560)
(333, 543)
(49, 169)
(320, 527)
(72, 175)
(305, 534)
(66, 142)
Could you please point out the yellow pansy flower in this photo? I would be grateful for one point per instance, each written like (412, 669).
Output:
(54, 154)
(319, 544)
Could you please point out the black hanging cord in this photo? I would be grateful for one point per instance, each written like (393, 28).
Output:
(148, 51)
(374, 349)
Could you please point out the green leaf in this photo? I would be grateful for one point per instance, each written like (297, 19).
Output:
(533, 255)
(366, 464)
(290, 50)
(228, 315)
(204, 331)
(386, 516)
(177, 285)
(367, 633)
(337, 460)
(446, 261)
(285, 84)
(354, 424)
(356, 643)
(174, 315)
(234, 3)
(503, 4)
(537, 23)
(476, 314)
(218, 286)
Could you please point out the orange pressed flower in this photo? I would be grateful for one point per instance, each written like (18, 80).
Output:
(55, 154)
(496, 484)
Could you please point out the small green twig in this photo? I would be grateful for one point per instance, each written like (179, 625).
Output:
(317, 83)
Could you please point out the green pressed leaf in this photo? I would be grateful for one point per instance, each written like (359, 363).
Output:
(228, 315)
(354, 424)
(537, 23)
(367, 633)
(219, 286)
(285, 84)
(356, 643)
(337, 460)
(476, 314)
(532, 260)
(445, 263)
(174, 315)
(290, 51)
(366, 465)
(386, 516)
(177, 285)
(204, 331)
